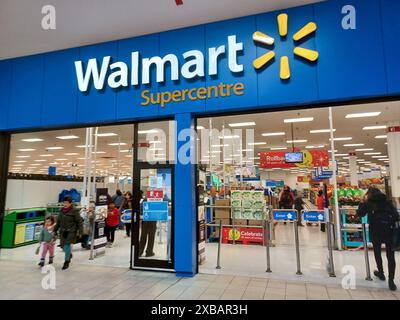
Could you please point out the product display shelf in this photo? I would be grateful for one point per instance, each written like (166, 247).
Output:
(352, 236)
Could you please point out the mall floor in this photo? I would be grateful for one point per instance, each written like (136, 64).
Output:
(107, 277)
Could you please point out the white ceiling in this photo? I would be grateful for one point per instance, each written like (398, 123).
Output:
(83, 22)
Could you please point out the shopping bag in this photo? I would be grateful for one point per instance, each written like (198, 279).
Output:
(37, 250)
(396, 237)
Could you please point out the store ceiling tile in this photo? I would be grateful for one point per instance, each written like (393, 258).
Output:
(84, 22)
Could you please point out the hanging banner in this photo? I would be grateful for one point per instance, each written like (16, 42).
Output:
(314, 158)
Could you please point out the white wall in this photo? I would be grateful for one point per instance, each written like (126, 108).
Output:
(23, 194)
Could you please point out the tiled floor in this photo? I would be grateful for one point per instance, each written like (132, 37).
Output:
(23, 280)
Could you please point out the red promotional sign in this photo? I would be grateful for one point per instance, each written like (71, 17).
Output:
(244, 235)
(313, 158)
(155, 195)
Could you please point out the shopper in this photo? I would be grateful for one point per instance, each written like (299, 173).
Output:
(299, 207)
(47, 240)
(127, 205)
(88, 217)
(321, 206)
(69, 226)
(112, 222)
(286, 199)
(118, 198)
(148, 233)
(382, 216)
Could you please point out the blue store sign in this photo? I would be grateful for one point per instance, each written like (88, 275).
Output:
(155, 211)
(314, 216)
(285, 215)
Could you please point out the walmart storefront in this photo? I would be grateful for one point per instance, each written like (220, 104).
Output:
(329, 53)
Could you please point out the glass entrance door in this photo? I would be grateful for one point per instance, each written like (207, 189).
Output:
(153, 217)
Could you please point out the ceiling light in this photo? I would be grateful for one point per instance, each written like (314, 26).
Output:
(365, 149)
(379, 157)
(200, 128)
(372, 153)
(26, 150)
(330, 151)
(83, 146)
(32, 140)
(125, 151)
(341, 154)
(117, 144)
(129, 156)
(296, 141)
(20, 161)
(272, 134)
(256, 143)
(322, 131)
(229, 137)
(354, 145)
(381, 137)
(147, 131)
(67, 137)
(360, 160)
(71, 154)
(278, 148)
(242, 124)
(99, 152)
(314, 147)
(374, 127)
(108, 134)
(54, 148)
(363, 115)
(40, 160)
(47, 155)
(341, 139)
(307, 119)
(61, 159)
(254, 158)
(23, 156)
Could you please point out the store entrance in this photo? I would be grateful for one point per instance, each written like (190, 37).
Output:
(153, 220)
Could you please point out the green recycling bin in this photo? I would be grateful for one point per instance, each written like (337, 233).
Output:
(22, 227)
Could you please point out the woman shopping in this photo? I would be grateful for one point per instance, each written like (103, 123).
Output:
(69, 226)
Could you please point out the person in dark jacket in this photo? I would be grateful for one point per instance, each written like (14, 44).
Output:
(69, 226)
(118, 198)
(382, 216)
(127, 205)
(299, 206)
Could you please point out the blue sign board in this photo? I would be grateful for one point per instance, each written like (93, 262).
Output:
(285, 215)
(52, 171)
(155, 211)
(314, 216)
(274, 183)
(126, 216)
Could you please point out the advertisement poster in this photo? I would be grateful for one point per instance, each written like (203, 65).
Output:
(155, 195)
(101, 196)
(38, 230)
(303, 179)
(314, 158)
(29, 232)
(19, 234)
(242, 234)
(249, 173)
(101, 212)
(155, 211)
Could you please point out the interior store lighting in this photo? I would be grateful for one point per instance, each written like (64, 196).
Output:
(273, 134)
(67, 137)
(363, 115)
(322, 131)
(242, 124)
(294, 120)
(374, 127)
(32, 140)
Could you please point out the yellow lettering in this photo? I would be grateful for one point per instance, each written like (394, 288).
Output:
(228, 89)
(238, 89)
(201, 93)
(145, 97)
(184, 92)
(221, 89)
(212, 88)
(165, 98)
(176, 95)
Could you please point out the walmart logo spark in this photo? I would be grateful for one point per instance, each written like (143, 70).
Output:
(304, 53)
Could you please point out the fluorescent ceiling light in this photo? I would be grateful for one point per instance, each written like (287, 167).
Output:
(99, 152)
(296, 141)
(272, 134)
(246, 150)
(374, 127)
(147, 131)
(125, 151)
(18, 165)
(372, 153)
(117, 144)
(322, 131)
(254, 158)
(381, 137)
(256, 143)
(71, 154)
(341, 139)
(23, 156)
(360, 160)
(107, 134)
(54, 148)
(363, 115)
(61, 159)
(229, 137)
(379, 157)
(26, 150)
(383, 159)
(334, 150)
(365, 149)
(20, 161)
(32, 140)
(242, 124)
(314, 147)
(40, 160)
(278, 148)
(307, 119)
(354, 145)
(129, 156)
(83, 146)
(200, 128)
(67, 137)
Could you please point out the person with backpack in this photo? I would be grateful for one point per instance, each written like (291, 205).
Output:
(382, 217)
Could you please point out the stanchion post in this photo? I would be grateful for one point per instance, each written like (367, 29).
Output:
(366, 256)
(328, 234)
(267, 244)
(219, 246)
(296, 237)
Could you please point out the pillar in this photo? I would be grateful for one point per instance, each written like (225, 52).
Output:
(4, 158)
(393, 140)
(353, 169)
(185, 242)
